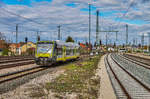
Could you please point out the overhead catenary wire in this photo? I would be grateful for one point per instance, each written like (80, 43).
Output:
(127, 10)
(28, 19)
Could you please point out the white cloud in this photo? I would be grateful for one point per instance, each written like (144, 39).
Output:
(74, 22)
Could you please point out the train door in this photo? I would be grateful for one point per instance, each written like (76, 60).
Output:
(59, 52)
(54, 55)
(64, 53)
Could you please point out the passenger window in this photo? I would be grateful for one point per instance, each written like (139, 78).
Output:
(59, 51)
(67, 52)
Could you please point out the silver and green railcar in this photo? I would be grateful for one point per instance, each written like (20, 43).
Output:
(48, 52)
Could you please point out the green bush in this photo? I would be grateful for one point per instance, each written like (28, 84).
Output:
(5, 52)
(30, 51)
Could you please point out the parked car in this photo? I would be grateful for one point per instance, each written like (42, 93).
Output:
(122, 50)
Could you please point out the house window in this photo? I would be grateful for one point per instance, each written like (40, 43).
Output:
(29, 45)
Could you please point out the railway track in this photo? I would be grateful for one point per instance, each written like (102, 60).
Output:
(15, 60)
(125, 84)
(135, 61)
(1, 57)
(17, 74)
(141, 71)
(138, 59)
(11, 80)
(19, 62)
(21, 73)
(14, 64)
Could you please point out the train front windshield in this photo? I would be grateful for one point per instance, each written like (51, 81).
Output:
(44, 48)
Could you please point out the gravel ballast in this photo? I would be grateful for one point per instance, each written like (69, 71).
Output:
(24, 85)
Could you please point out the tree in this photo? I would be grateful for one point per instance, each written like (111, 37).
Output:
(87, 44)
(114, 45)
(5, 52)
(95, 44)
(69, 39)
(30, 51)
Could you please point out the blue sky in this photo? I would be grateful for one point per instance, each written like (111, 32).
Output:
(22, 2)
(72, 4)
(73, 16)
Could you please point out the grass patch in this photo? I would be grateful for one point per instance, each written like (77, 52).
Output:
(77, 79)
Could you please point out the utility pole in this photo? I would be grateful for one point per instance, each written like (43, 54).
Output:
(37, 36)
(89, 22)
(97, 26)
(16, 37)
(116, 36)
(142, 41)
(0, 36)
(59, 32)
(126, 36)
(149, 42)
(106, 39)
(136, 41)
(16, 33)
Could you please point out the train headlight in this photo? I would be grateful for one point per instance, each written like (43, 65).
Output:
(41, 59)
(49, 51)
(45, 59)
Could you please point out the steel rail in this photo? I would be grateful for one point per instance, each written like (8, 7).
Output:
(137, 57)
(7, 57)
(15, 72)
(15, 60)
(14, 57)
(16, 64)
(21, 73)
(136, 62)
(6, 78)
(145, 86)
(126, 55)
(119, 82)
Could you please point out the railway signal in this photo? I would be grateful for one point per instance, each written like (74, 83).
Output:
(38, 38)
(59, 32)
(149, 42)
(16, 33)
(26, 39)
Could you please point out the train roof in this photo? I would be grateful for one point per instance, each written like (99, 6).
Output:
(45, 41)
(67, 44)
(62, 43)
